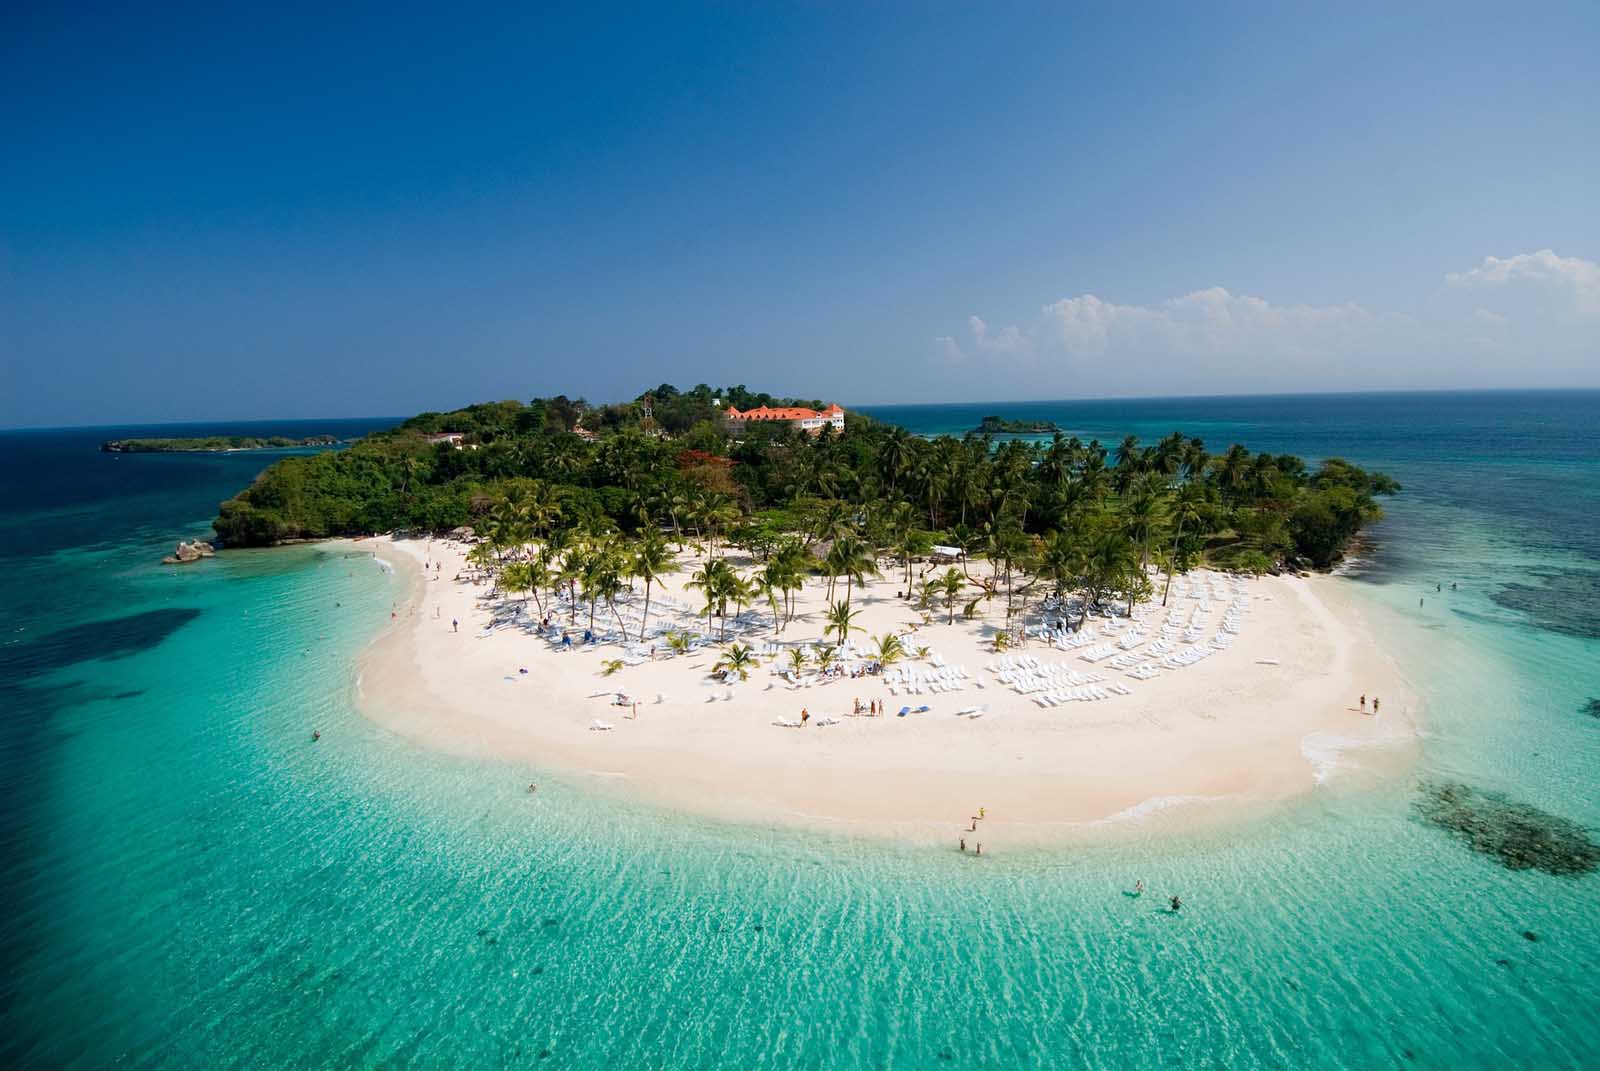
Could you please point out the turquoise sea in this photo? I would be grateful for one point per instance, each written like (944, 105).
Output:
(190, 882)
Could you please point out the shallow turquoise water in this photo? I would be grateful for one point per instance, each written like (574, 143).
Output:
(195, 884)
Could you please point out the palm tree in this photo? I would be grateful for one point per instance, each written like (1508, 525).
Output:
(610, 576)
(741, 590)
(897, 457)
(908, 540)
(890, 649)
(850, 558)
(651, 559)
(769, 583)
(825, 658)
(950, 585)
(718, 583)
(1111, 558)
(483, 556)
(677, 641)
(516, 578)
(738, 658)
(841, 621)
(597, 571)
(792, 562)
(797, 660)
(1186, 503)
(1061, 558)
(1143, 511)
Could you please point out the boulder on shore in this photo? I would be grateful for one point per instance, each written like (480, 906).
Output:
(189, 552)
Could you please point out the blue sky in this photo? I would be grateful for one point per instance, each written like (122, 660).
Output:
(279, 213)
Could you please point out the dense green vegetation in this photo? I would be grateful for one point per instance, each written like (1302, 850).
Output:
(1057, 515)
(998, 425)
(211, 443)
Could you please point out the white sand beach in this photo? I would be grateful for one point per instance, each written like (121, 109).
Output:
(1061, 742)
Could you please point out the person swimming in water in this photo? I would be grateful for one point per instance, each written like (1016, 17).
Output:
(1176, 904)
(1138, 887)
(315, 735)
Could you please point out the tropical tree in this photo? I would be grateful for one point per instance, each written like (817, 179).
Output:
(908, 541)
(677, 641)
(841, 621)
(651, 560)
(1187, 502)
(797, 660)
(950, 586)
(890, 650)
(718, 584)
(850, 558)
(738, 658)
(1111, 559)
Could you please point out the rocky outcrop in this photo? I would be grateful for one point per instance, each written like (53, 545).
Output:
(189, 552)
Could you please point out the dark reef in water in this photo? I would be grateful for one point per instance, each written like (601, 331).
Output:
(1567, 602)
(1592, 708)
(1518, 835)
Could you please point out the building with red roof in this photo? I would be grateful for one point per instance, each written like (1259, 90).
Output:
(811, 421)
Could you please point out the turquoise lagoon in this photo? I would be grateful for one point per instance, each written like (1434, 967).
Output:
(190, 882)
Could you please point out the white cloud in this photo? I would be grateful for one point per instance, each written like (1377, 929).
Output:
(1214, 339)
(1571, 276)
(1007, 340)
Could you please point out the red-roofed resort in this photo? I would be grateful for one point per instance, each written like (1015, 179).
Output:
(808, 420)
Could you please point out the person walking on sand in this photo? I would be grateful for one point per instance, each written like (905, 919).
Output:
(982, 813)
(1363, 702)
(963, 843)
(455, 626)
(1374, 706)
(805, 716)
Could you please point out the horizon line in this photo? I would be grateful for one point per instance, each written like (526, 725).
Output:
(1372, 392)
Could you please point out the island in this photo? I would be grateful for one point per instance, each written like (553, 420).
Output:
(996, 425)
(738, 607)
(213, 444)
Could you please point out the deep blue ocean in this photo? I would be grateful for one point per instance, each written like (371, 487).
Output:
(189, 883)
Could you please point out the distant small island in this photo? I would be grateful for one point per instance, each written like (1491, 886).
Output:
(212, 444)
(996, 425)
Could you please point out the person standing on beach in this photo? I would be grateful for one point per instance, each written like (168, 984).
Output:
(805, 716)
(1363, 702)
(455, 626)
(963, 843)
(1374, 706)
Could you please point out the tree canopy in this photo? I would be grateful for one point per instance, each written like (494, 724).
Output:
(1077, 513)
